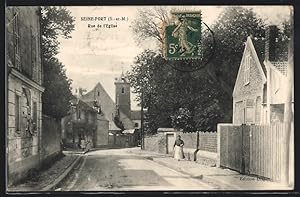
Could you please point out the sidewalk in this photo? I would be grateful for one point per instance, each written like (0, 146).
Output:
(221, 179)
(47, 178)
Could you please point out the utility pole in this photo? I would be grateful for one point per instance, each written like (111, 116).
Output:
(288, 113)
(142, 119)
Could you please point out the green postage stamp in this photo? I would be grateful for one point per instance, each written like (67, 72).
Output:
(183, 36)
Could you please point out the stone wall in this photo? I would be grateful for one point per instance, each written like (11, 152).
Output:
(51, 138)
(23, 144)
(207, 141)
(101, 132)
(190, 139)
(156, 143)
(127, 140)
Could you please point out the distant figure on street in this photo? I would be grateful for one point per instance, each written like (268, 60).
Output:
(178, 148)
(83, 143)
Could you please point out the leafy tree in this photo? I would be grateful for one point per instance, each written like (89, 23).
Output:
(182, 119)
(231, 30)
(55, 22)
(57, 93)
(166, 91)
(206, 94)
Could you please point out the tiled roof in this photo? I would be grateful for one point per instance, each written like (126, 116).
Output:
(281, 66)
(260, 50)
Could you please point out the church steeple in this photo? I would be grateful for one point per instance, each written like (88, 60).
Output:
(123, 95)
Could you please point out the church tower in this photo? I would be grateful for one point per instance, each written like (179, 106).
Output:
(123, 95)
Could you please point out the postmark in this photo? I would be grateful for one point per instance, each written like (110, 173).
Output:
(182, 38)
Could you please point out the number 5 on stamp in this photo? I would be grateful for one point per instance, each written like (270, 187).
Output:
(182, 39)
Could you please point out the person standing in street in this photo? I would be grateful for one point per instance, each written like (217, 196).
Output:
(178, 148)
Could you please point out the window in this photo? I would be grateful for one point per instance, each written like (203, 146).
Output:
(16, 40)
(247, 64)
(98, 93)
(239, 113)
(258, 110)
(17, 112)
(33, 48)
(34, 108)
(136, 124)
(249, 111)
(123, 91)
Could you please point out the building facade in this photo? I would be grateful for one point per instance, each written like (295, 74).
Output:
(84, 122)
(24, 100)
(136, 118)
(114, 112)
(123, 102)
(261, 85)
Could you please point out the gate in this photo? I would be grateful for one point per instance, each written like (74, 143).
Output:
(253, 149)
(235, 148)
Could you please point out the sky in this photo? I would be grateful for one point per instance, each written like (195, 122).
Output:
(95, 55)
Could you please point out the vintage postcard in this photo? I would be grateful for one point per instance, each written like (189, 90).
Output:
(149, 98)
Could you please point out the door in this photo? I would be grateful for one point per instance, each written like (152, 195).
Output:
(170, 142)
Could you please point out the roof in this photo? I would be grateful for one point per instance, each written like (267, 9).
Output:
(108, 106)
(131, 131)
(166, 130)
(259, 46)
(249, 45)
(281, 66)
(77, 101)
(136, 115)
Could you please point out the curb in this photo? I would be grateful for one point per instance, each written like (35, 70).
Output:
(62, 176)
(205, 178)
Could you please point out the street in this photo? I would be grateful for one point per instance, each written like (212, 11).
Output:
(117, 169)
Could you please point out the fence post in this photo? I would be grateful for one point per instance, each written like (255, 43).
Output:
(243, 150)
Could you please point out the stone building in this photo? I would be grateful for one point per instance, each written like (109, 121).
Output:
(260, 89)
(123, 129)
(86, 122)
(24, 90)
(136, 118)
(113, 112)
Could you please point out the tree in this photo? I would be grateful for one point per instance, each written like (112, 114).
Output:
(57, 92)
(206, 94)
(231, 30)
(167, 91)
(55, 22)
(149, 23)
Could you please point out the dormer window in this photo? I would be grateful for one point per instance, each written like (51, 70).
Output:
(247, 64)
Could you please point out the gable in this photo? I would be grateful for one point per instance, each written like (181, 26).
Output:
(107, 106)
(255, 73)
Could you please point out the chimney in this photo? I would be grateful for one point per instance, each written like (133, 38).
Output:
(271, 35)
